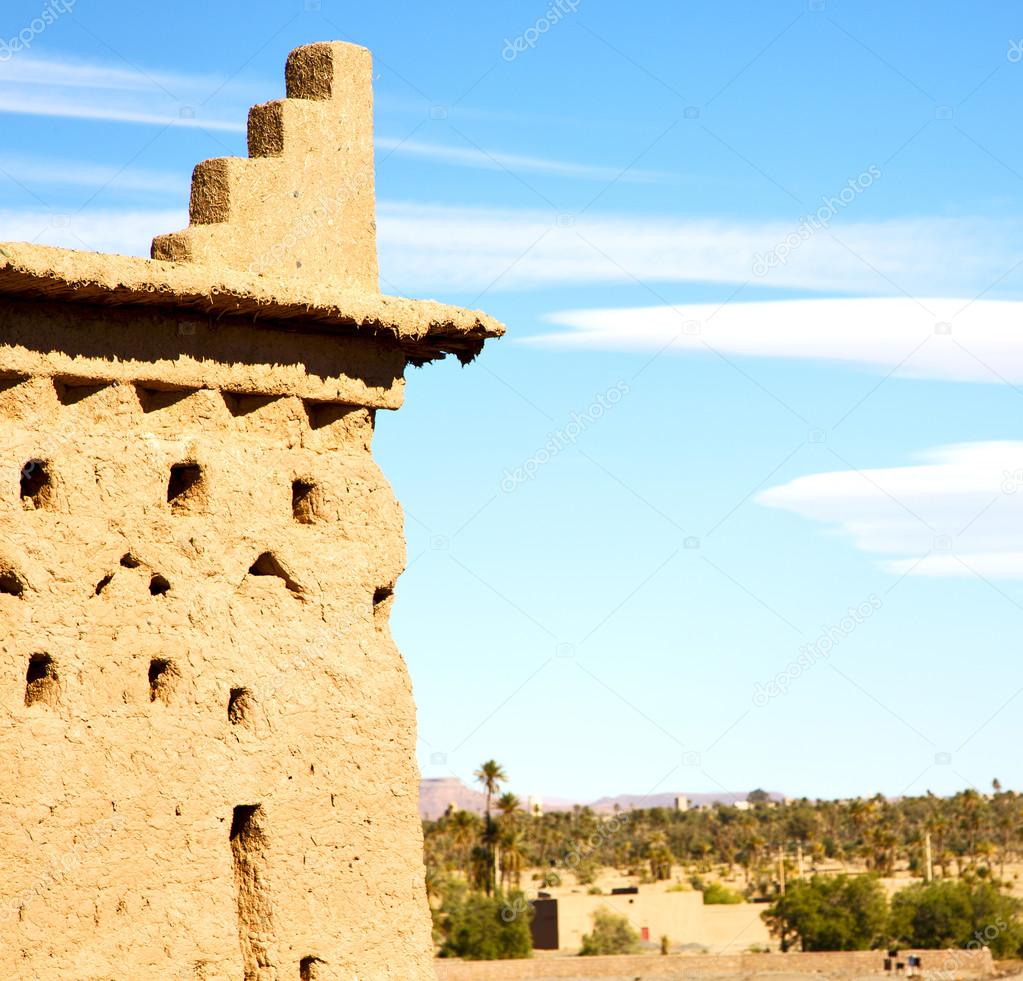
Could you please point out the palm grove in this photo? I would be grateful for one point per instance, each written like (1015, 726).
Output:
(476, 865)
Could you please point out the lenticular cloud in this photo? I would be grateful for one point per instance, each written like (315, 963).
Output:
(952, 339)
(957, 512)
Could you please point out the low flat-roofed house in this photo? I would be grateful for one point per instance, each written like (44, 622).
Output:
(560, 923)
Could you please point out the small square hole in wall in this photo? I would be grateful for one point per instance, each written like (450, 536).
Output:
(159, 586)
(239, 706)
(36, 485)
(303, 501)
(323, 414)
(163, 676)
(11, 584)
(186, 489)
(42, 686)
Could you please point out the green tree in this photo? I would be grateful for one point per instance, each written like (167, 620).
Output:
(660, 858)
(508, 804)
(958, 914)
(840, 913)
(483, 928)
(462, 828)
(511, 852)
(612, 934)
(490, 776)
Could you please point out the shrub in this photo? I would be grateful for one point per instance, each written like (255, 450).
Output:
(612, 934)
(840, 913)
(958, 914)
(715, 894)
(483, 928)
(586, 871)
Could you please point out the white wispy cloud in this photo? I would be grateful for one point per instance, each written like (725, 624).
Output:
(33, 86)
(487, 159)
(958, 512)
(123, 232)
(33, 171)
(105, 110)
(460, 249)
(957, 339)
(68, 74)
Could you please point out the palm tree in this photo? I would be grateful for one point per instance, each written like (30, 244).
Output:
(490, 776)
(462, 826)
(512, 857)
(508, 804)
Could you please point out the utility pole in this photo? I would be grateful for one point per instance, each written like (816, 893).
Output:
(781, 870)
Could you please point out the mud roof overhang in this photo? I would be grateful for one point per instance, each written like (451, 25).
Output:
(425, 329)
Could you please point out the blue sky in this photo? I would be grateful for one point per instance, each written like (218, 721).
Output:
(760, 264)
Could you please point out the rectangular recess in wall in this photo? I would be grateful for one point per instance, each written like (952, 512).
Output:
(256, 931)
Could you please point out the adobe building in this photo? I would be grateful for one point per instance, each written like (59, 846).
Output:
(560, 923)
(206, 730)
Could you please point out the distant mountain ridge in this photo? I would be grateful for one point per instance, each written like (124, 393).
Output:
(437, 794)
